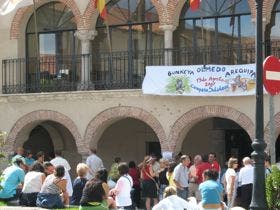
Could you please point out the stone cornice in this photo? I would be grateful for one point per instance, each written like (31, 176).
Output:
(69, 96)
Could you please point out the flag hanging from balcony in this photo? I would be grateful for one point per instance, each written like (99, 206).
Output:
(194, 4)
(101, 6)
(7, 6)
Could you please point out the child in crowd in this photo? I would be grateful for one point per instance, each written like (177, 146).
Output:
(79, 183)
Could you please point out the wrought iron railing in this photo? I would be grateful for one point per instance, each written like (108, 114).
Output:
(118, 70)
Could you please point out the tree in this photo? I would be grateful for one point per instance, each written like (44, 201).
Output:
(273, 188)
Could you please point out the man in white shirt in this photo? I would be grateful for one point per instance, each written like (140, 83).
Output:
(181, 176)
(245, 183)
(94, 163)
(58, 160)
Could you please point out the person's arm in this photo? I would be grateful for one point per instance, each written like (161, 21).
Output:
(117, 188)
(177, 184)
(176, 178)
(106, 189)
(43, 177)
(151, 171)
(231, 185)
(67, 165)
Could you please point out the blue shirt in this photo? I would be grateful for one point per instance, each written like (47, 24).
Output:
(78, 186)
(210, 192)
(29, 161)
(12, 177)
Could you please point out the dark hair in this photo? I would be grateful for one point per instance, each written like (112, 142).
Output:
(18, 161)
(123, 168)
(93, 192)
(37, 166)
(93, 150)
(101, 175)
(117, 159)
(212, 153)
(28, 152)
(204, 158)
(131, 164)
(59, 171)
(40, 154)
(47, 164)
(171, 166)
(184, 157)
(211, 174)
(58, 152)
(267, 158)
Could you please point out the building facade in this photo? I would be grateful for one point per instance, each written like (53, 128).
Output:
(63, 86)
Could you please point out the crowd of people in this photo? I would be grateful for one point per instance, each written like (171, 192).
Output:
(179, 183)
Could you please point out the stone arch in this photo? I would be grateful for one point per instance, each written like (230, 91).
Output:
(170, 12)
(35, 117)
(186, 121)
(267, 129)
(90, 15)
(97, 126)
(21, 16)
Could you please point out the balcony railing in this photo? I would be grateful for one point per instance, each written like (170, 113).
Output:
(118, 70)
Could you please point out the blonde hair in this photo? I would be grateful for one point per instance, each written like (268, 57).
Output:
(170, 190)
(231, 162)
(82, 169)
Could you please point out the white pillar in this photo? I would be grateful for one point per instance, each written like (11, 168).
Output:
(85, 36)
(168, 43)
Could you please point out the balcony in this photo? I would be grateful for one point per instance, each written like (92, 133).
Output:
(105, 71)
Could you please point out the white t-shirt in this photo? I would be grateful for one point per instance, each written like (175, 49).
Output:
(230, 172)
(246, 175)
(32, 182)
(174, 202)
(95, 164)
(61, 161)
(123, 188)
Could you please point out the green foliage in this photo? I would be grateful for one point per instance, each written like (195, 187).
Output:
(273, 188)
(2, 142)
(179, 85)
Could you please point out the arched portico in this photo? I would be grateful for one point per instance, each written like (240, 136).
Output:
(181, 127)
(24, 125)
(267, 137)
(106, 118)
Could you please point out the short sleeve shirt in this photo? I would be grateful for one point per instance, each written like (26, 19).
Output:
(210, 192)
(181, 174)
(13, 176)
(230, 172)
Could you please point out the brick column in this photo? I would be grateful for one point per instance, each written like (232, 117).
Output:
(168, 43)
(85, 36)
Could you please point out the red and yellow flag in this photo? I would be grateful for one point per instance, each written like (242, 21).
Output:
(101, 6)
(194, 4)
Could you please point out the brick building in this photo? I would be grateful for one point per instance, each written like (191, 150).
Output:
(72, 93)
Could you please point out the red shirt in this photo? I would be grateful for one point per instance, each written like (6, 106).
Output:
(134, 173)
(146, 172)
(200, 169)
(215, 165)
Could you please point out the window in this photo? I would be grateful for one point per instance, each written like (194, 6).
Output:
(57, 47)
(216, 31)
